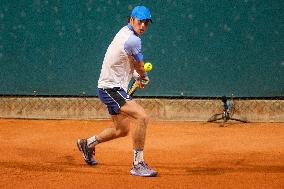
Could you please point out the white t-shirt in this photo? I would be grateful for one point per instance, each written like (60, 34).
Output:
(124, 51)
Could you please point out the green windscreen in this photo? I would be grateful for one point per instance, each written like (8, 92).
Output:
(198, 48)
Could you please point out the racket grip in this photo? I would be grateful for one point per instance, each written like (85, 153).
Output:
(133, 88)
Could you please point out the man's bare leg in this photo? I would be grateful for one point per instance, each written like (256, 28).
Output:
(135, 111)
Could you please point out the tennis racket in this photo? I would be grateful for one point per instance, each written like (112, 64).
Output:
(133, 87)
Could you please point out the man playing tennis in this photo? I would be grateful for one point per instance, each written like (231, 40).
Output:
(122, 58)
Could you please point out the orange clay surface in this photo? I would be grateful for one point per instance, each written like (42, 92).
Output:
(43, 154)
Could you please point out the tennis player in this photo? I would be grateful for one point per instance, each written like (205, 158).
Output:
(123, 57)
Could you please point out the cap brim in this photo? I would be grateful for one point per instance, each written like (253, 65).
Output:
(140, 19)
(149, 20)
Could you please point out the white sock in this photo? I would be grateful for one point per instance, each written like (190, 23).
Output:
(138, 156)
(92, 141)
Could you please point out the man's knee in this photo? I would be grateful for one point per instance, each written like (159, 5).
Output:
(144, 118)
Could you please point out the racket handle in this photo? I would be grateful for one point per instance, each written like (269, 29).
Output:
(133, 88)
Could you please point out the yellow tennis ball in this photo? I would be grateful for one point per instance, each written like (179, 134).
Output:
(148, 66)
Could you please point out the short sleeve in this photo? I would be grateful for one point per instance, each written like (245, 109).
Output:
(133, 47)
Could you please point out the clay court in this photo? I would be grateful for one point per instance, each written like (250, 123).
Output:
(212, 61)
(43, 154)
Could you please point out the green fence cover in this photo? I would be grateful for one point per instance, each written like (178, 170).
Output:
(198, 48)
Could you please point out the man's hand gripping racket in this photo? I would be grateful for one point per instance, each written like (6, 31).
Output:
(140, 83)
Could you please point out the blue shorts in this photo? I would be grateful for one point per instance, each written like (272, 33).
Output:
(113, 98)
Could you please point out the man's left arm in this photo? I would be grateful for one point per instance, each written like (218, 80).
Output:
(133, 48)
(143, 77)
